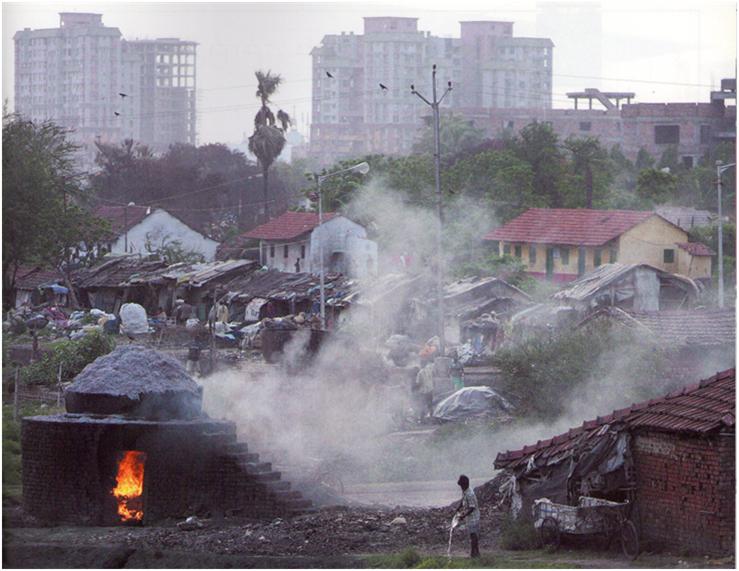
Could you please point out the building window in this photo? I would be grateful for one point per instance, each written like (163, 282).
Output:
(668, 256)
(285, 251)
(517, 251)
(705, 134)
(585, 125)
(302, 251)
(506, 249)
(597, 257)
(688, 162)
(532, 254)
(614, 255)
(667, 134)
(272, 251)
(564, 254)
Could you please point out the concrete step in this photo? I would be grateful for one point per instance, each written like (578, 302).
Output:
(237, 448)
(278, 486)
(221, 438)
(267, 476)
(298, 504)
(288, 495)
(257, 467)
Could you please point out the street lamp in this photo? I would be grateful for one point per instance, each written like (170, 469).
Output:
(125, 225)
(361, 168)
(719, 169)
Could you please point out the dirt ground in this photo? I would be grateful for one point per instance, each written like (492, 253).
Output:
(334, 537)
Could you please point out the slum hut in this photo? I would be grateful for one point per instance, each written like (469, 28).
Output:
(272, 293)
(197, 284)
(36, 285)
(637, 287)
(475, 305)
(671, 457)
(106, 285)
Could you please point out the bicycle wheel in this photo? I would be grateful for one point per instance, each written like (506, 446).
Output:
(549, 535)
(629, 540)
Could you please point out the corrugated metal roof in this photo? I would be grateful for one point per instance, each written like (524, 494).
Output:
(698, 327)
(603, 276)
(115, 272)
(705, 407)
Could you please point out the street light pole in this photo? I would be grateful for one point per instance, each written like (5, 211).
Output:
(720, 169)
(362, 168)
(125, 225)
(439, 204)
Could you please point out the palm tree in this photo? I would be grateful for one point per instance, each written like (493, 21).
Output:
(268, 140)
(587, 158)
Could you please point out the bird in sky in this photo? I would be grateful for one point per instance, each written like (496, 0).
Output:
(328, 73)
(123, 95)
(383, 87)
(116, 113)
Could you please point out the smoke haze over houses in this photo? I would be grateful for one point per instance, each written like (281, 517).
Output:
(663, 51)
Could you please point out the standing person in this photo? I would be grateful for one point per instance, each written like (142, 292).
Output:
(425, 384)
(469, 514)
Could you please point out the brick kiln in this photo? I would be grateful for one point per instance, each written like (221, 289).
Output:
(135, 447)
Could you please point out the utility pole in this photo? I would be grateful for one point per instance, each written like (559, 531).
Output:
(241, 194)
(720, 168)
(439, 205)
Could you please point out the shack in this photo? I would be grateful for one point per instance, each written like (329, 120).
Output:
(637, 287)
(34, 285)
(672, 457)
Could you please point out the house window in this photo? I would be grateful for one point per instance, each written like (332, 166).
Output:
(585, 125)
(302, 251)
(506, 249)
(532, 254)
(564, 254)
(688, 162)
(667, 134)
(272, 251)
(517, 251)
(668, 256)
(597, 257)
(705, 134)
(614, 255)
(285, 251)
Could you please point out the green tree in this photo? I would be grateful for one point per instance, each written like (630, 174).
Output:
(45, 206)
(456, 135)
(268, 139)
(589, 161)
(644, 160)
(655, 187)
(538, 145)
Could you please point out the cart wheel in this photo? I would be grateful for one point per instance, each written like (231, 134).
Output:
(629, 540)
(549, 533)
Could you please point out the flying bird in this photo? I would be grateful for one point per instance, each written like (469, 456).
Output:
(123, 95)
(328, 73)
(383, 87)
(116, 113)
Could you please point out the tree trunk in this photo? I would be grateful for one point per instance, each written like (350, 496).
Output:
(588, 188)
(265, 192)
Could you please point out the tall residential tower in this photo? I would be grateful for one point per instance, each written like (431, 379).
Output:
(86, 77)
(354, 115)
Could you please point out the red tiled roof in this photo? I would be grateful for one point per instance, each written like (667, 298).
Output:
(570, 226)
(288, 225)
(695, 248)
(121, 218)
(703, 407)
(691, 327)
(33, 277)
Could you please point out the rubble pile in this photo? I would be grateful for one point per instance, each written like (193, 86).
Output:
(335, 530)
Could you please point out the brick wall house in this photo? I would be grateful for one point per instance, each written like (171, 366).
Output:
(672, 458)
(563, 243)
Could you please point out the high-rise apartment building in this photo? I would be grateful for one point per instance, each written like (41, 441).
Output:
(354, 115)
(85, 77)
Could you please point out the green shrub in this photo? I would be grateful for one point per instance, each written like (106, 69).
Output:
(410, 558)
(518, 534)
(73, 356)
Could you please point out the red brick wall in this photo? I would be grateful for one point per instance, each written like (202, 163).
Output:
(685, 490)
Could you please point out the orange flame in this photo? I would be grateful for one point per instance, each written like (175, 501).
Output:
(130, 485)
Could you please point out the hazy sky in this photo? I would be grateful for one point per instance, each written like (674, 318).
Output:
(673, 50)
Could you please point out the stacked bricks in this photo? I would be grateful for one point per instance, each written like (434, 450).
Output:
(70, 462)
(685, 492)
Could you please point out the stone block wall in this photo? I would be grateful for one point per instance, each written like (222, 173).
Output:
(685, 490)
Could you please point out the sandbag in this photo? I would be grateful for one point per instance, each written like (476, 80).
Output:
(133, 319)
